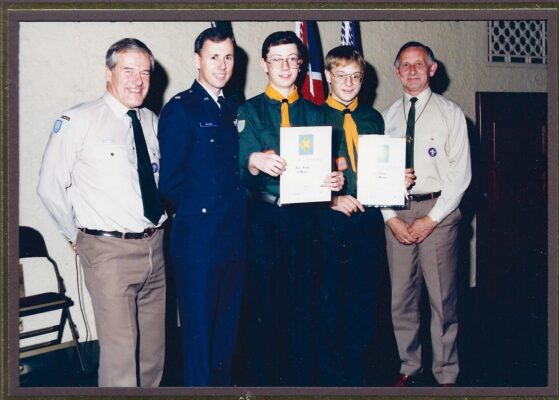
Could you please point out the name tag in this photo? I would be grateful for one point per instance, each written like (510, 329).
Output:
(208, 125)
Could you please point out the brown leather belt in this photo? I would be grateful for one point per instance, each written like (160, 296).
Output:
(426, 196)
(122, 235)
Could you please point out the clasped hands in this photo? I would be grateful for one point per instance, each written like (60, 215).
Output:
(275, 165)
(413, 233)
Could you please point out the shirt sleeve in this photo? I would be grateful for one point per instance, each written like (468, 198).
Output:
(248, 142)
(459, 174)
(55, 175)
(174, 141)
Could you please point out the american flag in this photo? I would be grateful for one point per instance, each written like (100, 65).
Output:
(313, 87)
(351, 35)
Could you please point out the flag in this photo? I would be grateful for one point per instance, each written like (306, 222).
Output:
(351, 35)
(313, 86)
(224, 26)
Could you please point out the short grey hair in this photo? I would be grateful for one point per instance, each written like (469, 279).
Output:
(430, 55)
(127, 44)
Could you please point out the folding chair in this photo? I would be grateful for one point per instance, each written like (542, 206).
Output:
(32, 244)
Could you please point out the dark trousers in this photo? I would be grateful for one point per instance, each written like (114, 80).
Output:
(276, 330)
(352, 251)
(209, 273)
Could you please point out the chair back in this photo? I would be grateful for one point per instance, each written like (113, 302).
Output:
(32, 244)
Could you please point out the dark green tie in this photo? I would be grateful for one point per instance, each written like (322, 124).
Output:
(410, 132)
(150, 196)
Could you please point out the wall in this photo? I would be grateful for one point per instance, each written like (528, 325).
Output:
(61, 64)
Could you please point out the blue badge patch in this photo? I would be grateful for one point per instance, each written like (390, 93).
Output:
(155, 167)
(57, 126)
(432, 151)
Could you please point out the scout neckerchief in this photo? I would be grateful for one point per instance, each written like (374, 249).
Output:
(350, 129)
(275, 95)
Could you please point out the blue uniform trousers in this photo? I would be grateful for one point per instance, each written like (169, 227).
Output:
(209, 289)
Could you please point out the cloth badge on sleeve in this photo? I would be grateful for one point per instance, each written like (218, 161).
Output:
(240, 125)
(57, 126)
(155, 167)
(341, 163)
(432, 151)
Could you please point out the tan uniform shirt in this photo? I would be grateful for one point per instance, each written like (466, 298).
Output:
(441, 149)
(89, 177)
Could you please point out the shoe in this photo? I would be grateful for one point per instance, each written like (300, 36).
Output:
(447, 385)
(403, 381)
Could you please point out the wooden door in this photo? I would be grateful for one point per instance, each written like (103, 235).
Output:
(512, 234)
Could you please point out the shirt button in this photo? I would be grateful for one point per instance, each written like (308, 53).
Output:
(204, 210)
(212, 140)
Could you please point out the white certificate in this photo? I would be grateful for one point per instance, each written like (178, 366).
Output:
(308, 153)
(381, 171)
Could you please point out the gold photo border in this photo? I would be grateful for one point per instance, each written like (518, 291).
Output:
(12, 13)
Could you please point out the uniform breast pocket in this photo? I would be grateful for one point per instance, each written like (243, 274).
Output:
(110, 159)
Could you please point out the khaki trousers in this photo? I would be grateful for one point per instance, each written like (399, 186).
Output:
(126, 281)
(433, 261)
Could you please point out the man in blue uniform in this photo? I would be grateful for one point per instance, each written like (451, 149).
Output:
(199, 179)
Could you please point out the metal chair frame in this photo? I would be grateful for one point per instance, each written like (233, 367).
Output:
(31, 245)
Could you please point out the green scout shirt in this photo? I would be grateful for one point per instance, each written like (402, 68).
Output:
(259, 123)
(368, 121)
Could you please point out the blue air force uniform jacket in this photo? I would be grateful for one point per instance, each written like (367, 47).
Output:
(199, 180)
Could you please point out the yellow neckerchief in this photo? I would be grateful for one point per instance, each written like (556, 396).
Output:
(350, 129)
(275, 95)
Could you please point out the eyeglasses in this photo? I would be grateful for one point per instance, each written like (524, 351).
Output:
(356, 77)
(277, 62)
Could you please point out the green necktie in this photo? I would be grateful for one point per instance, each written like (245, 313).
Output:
(410, 132)
(150, 196)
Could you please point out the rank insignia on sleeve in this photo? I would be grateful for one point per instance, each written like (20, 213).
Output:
(57, 126)
(341, 163)
(240, 125)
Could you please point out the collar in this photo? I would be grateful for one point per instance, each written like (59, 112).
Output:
(214, 97)
(273, 94)
(421, 97)
(116, 106)
(333, 103)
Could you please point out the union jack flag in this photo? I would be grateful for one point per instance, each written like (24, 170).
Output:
(313, 86)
